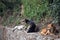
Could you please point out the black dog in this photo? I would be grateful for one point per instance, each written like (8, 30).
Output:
(32, 25)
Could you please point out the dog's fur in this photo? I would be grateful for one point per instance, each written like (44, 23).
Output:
(32, 25)
(50, 29)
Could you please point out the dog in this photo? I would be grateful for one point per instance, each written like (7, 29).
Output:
(49, 30)
(32, 25)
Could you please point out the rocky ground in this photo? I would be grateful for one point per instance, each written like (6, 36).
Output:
(23, 35)
(9, 34)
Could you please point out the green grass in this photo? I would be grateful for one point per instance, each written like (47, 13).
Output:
(34, 9)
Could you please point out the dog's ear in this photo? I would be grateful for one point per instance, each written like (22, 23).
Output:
(53, 25)
(26, 20)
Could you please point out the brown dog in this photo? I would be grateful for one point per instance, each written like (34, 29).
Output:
(50, 29)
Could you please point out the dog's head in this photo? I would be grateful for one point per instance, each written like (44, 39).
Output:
(49, 26)
(48, 30)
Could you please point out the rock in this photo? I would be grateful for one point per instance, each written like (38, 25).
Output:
(23, 35)
(2, 33)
